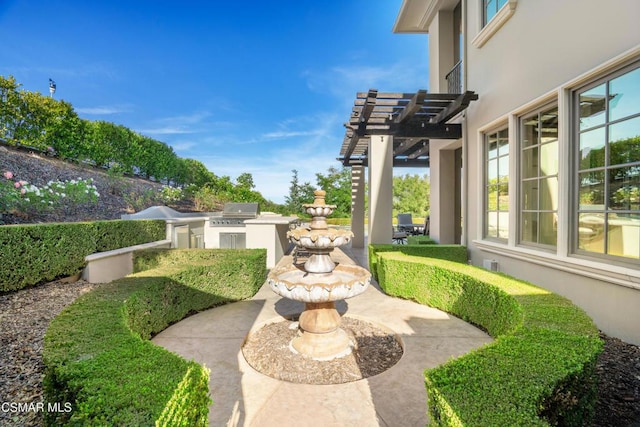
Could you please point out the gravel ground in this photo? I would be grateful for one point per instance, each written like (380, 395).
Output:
(25, 314)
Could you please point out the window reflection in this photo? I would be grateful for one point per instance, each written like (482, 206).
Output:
(497, 184)
(591, 232)
(624, 95)
(530, 163)
(592, 145)
(549, 158)
(591, 190)
(623, 236)
(548, 228)
(624, 141)
(539, 182)
(592, 107)
(530, 195)
(609, 175)
(624, 193)
(549, 193)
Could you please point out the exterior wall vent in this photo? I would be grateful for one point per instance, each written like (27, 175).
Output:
(490, 264)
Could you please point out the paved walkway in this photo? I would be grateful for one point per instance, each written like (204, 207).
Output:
(243, 397)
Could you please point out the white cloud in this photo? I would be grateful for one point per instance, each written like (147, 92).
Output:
(288, 134)
(346, 80)
(104, 110)
(183, 146)
(167, 130)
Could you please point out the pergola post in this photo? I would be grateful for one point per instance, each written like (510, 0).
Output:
(357, 206)
(380, 189)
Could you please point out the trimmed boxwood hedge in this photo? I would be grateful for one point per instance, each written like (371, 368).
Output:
(97, 352)
(456, 253)
(39, 253)
(420, 240)
(540, 370)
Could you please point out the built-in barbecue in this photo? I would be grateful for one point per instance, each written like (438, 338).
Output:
(235, 214)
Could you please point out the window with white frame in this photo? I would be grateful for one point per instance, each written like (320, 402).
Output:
(496, 197)
(607, 175)
(490, 9)
(539, 177)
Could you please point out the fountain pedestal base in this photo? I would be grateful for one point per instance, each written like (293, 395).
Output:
(320, 335)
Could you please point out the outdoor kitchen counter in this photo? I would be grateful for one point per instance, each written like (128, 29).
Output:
(270, 232)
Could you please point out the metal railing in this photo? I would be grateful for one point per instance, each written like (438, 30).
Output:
(454, 79)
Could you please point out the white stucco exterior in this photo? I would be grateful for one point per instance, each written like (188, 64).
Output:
(533, 53)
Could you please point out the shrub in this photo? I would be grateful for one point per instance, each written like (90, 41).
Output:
(420, 240)
(97, 354)
(540, 370)
(39, 253)
(457, 253)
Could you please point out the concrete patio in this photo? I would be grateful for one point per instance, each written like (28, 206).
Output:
(244, 397)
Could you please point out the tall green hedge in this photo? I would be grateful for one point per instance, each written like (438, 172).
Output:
(540, 370)
(97, 355)
(36, 253)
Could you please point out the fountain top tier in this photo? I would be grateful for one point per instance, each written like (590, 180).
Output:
(319, 210)
(318, 239)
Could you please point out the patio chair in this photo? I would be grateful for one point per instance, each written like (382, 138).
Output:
(405, 223)
(399, 237)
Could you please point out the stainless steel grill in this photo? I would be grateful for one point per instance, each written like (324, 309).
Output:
(235, 214)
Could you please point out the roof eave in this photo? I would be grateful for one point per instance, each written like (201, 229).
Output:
(415, 16)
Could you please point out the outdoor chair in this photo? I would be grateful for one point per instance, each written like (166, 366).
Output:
(399, 237)
(405, 223)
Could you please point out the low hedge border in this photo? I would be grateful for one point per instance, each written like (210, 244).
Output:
(540, 370)
(420, 240)
(97, 353)
(457, 253)
(43, 252)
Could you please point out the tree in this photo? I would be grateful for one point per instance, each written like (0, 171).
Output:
(411, 195)
(337, 184)
(245, 180)
(299, 194)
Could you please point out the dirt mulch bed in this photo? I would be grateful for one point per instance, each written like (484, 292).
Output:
(24, 318)
(267, 350)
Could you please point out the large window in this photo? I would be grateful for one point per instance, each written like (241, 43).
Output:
(539, 177)
(608, 171)
(496, 224)
(490, 8)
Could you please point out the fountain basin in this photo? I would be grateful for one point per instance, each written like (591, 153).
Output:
(319, 239)
(293, 282)
(319, 210)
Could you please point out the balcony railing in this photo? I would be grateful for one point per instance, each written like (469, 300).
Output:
(454, 79)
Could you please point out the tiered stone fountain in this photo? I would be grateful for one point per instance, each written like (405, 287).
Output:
(319, 284)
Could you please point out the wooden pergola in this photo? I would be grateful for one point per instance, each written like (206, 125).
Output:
(411, 118)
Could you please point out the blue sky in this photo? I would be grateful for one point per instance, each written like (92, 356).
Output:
(259, 87)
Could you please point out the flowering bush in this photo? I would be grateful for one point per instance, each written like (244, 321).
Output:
(20, 196)
(138, 201)
(171, 194)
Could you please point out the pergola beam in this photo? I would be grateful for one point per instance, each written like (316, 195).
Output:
(460, 104)
(412, 107)
(406, 146)
(364, 118)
